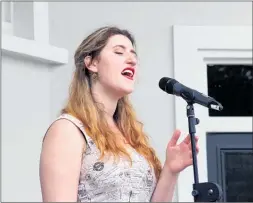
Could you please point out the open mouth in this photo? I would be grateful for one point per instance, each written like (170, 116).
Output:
(128, 73)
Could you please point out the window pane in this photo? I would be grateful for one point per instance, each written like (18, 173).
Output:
(239, 176)
(232, 86)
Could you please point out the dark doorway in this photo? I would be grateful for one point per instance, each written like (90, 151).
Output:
(230, 164)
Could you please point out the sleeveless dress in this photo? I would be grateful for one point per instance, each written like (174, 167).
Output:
(109, 181)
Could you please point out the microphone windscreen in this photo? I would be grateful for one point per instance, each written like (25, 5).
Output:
(166, 84)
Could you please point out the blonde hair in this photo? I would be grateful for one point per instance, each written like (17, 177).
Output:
(82, 105)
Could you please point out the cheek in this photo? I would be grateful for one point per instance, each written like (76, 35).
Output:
(112, 67)
(106, 75)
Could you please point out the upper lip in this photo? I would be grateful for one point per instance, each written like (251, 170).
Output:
(129, 68)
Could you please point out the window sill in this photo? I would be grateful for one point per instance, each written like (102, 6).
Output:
(34, 50)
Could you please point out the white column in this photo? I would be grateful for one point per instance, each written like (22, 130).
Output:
(41, 22)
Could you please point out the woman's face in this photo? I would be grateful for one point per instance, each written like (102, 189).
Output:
(117, 66)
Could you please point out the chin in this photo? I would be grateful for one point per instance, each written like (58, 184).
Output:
(126, 91)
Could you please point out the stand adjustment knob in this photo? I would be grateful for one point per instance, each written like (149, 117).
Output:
(210, 192)
(206, 192)
(197, 121)
(195, 193)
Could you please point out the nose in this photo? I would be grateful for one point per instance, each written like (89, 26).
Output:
(131, 59)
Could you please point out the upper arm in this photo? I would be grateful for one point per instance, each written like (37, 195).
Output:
(60, 162)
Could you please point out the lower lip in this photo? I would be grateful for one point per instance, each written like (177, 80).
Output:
(130, 78)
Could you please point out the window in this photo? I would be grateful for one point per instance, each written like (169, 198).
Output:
(232, 86)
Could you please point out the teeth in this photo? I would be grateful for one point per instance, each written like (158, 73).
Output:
(127, 72)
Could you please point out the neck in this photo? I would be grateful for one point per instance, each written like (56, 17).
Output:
(107, 99)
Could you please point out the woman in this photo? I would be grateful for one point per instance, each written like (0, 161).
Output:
(96, 150)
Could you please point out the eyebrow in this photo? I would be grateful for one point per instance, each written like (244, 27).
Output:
(123, 47)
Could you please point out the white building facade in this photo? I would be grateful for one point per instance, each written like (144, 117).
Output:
(181, 40)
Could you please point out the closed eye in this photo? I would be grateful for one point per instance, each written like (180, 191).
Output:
(119, 53)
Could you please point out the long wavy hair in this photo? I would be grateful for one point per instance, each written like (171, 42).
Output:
(82, 105)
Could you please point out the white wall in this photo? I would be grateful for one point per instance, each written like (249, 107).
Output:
(26, 101)
(28, 104)
(25, 116)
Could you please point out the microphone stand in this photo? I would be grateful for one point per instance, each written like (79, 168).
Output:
(207, 191)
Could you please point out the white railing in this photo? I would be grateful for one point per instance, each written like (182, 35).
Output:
(40, 20)
(7, 17)
(37, 48)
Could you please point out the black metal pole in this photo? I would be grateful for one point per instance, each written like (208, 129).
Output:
(202, 192)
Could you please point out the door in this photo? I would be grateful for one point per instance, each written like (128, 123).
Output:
(216, 61)
(230, 164)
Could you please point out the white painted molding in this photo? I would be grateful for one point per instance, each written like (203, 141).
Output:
(43, 52)
(7, 28)
(37, 49)
(226, 56)
(194, 48)
(7, 17)
(41, 22)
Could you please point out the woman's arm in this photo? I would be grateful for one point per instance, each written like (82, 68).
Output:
(178, 157)
(165, 186)
(60, 162)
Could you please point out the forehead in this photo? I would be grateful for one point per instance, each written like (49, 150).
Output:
(119, 40)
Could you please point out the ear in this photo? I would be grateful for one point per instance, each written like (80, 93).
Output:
(91, 64)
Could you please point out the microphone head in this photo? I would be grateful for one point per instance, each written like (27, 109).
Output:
(166, 84)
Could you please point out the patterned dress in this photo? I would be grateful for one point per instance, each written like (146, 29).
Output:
(109, 181)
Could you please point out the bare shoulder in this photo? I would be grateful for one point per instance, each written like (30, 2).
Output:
(62, 139)
(64, 132)
(60, 161)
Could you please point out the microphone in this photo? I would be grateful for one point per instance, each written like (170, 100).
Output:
(172, 86)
